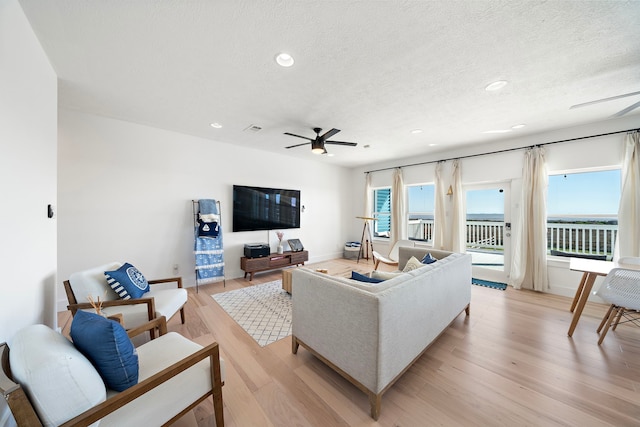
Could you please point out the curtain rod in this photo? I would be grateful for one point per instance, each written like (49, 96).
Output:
(504, 151)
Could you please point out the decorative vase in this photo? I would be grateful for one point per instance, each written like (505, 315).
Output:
(280, 249)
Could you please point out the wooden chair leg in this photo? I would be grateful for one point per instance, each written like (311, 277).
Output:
(182, 315)
(294, 344)
(604, 319)
(612, 315)
(216, 383)
(618, 317)
(375, 266)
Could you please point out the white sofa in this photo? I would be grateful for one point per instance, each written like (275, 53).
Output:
(372, 333)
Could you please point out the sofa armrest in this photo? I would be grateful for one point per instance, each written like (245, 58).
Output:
(178, 281)
(114, 403)
(338, 320)
(14, 394)
(405, 253)
(159, 323)
(151, 308)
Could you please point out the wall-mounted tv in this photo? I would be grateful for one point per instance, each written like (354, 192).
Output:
(259, 208)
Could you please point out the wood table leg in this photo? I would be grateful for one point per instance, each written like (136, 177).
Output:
(579, 291)
(584, 296)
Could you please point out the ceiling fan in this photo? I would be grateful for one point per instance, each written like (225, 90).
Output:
(317, 144)
(619, 113)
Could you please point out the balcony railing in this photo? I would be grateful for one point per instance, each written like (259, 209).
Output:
(592, 239)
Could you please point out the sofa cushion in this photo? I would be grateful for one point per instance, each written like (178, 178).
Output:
(362, 278)
(93, 283)
(60, 381)
(385, 275)
(106, 344)
(127, 281)
(174, 395)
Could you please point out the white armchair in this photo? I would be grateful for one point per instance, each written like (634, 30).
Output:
(45, 380)
(621, 289)
(392, 259)
(135, 312)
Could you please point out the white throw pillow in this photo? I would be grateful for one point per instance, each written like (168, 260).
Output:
(412, 264)
(61, 382)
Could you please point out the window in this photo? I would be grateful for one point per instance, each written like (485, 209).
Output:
(382, 212)
(582, 212)
(420, 204)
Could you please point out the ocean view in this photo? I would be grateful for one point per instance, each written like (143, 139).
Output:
(568, 219)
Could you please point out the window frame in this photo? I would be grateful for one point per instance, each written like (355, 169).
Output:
(409, 212)
(553, 239)
(376, 214)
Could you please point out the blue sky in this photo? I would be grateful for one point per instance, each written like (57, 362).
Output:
(596, 193)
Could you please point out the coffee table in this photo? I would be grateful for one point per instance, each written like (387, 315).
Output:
(286, 277)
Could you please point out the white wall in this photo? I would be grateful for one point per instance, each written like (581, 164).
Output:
(125, 194)
(600, 152)
(27, 176)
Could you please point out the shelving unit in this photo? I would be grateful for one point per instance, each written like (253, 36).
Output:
(217, 259)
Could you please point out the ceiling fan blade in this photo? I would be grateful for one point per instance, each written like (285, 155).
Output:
(298, 136)
(626, 110)
(329, 134)
(298, 145)
(350, 144)
(584, 104)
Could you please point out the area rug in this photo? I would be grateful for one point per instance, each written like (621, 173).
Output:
(263, 311)
(488, 284)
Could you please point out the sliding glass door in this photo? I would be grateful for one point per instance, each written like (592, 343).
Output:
(488, 229)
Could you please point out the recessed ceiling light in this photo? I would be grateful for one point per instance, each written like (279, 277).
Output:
(432, 145)
(497, 131)
(216, 125)
(330, 154)
(520, 126)
(416, 131)
(284, 59)
(497, 85)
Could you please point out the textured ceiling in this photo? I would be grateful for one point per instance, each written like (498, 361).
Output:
(374, 69)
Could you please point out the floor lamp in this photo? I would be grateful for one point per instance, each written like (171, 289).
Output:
(369, 241)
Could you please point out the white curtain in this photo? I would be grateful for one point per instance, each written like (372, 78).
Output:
(458, 216)
(368, 208)
(439, 215)
(628, 242)
(529, 261)
(398, 209)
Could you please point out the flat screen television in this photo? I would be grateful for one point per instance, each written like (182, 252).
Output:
(260, 208)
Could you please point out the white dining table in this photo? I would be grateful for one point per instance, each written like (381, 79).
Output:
(591, 269)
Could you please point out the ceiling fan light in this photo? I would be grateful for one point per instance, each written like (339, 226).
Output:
(317, 147)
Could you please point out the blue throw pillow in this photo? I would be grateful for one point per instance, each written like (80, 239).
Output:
(127, 281)
(362, 278)
(428, 259)
(106, 344)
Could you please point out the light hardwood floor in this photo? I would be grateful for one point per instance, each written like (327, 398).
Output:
(510, 363)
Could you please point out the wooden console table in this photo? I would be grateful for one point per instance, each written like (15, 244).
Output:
(272, 261)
